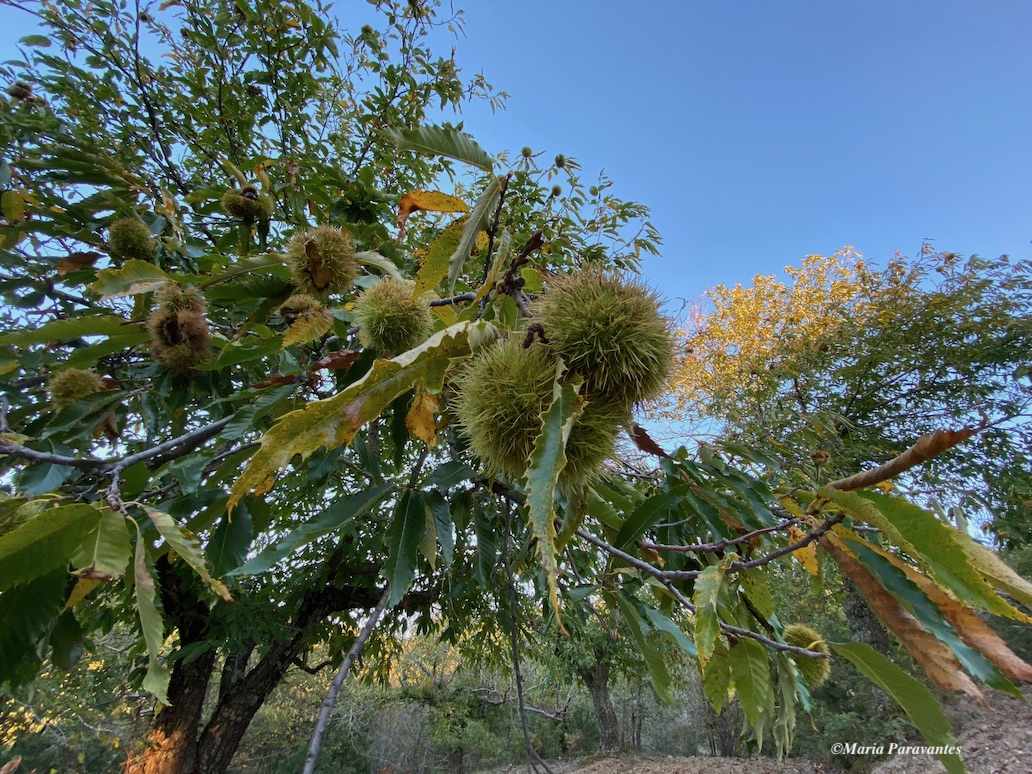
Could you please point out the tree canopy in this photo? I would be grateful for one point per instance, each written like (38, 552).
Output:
(846, 364)
(280, 352)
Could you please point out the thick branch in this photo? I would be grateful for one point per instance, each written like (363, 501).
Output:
(181, 444)
(927, 447)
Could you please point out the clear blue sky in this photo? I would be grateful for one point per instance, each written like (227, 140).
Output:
(761, 131)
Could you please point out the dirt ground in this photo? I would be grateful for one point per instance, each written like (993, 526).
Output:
(995, 740)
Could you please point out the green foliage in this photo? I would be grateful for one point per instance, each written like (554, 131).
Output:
(915, 699)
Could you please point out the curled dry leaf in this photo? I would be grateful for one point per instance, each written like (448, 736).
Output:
(76, 261)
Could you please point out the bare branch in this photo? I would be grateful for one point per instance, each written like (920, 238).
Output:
(338, 681)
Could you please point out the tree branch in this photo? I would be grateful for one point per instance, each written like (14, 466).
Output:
(338, 681)
(927, 447)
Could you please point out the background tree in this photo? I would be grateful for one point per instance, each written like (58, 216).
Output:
(844, 365)
(210, 441)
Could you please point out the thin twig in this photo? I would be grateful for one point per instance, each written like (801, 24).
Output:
(665, 578)
(338, 681)
(714, 548)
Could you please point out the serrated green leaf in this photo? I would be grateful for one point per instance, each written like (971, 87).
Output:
(157, 678)
(66, 330)
(895, 581)
(35, 40)
(331, 518)
(187, 547)
(84, 357)
(478, 221)
(654, 660)
(27, 612)
(449, 474)
(716, 677)
(916, 700)
(104, 553)
(443, 526)
(230, 542)
(664, 624)
(993, 569)
(441, 141)
(66, 641)
(935, 544)
(405, 533)
(335, 421)
(648, 513)
(308, 327)
(784, 727)
(372, 258)
(751, 673)
(45, 543)
(708, 588)
(133, 278)
(547, 461)
(487, 546)
(83, 415)
(754, 584)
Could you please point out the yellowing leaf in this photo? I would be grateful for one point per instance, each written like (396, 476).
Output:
(308, 327)
(133, 278)
(12, 203)
(335, 421)
(807, 555)
(430, 201)
(420, 418)
(935, 657)
(434, 267)
(83, 586)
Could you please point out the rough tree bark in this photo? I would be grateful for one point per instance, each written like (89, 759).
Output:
(177, 744)
(596, 678)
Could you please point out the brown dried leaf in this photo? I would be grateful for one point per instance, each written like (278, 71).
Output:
(76, 261)
(969, 625)
(927, 446)
(275, 379)
(645, 442)
(935, 657)
(336, 361)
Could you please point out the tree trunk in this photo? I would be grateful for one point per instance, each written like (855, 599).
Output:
(176, 744)
(172, 741)
(863, 623)
(597, 680)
